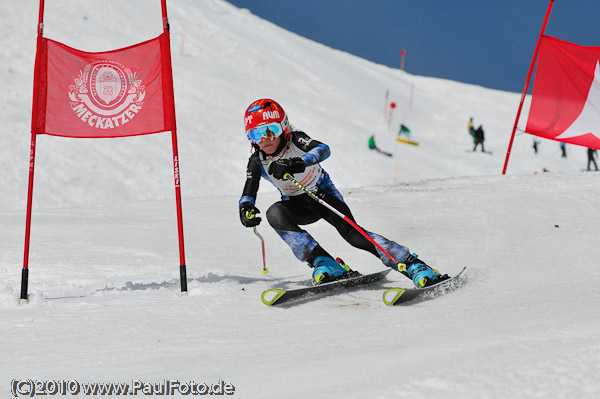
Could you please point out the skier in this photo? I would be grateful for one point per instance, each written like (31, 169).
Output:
(279, 149)
(591, 153)
(371, 143)
(536, 142)
(478, 137)
(372, 146)
(404, 130)
(563, 149)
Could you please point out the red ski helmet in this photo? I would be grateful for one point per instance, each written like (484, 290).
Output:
(265, 112)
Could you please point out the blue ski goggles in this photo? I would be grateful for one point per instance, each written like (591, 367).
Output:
(269, 132)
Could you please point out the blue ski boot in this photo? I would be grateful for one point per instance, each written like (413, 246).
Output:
(421, 274)
(327, 270)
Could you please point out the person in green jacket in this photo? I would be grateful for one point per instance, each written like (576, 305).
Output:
(404, 130)
(373, 146)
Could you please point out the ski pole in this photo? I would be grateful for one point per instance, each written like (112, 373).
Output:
(251, 215)
(312, 195)
(262, 242)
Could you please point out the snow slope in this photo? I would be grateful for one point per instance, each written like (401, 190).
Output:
(104, 288)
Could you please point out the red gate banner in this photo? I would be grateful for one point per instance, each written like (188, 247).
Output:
(124, 92)
(565, 102)
(117, 93)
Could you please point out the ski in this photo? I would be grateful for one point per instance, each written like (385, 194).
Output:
(275, 296)
(402, 296)
(407, 141)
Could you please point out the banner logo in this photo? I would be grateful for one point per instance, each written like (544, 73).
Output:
(106, 95)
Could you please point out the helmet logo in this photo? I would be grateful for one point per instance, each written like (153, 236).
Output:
(106, 95)
(270, 115)
(255, 108)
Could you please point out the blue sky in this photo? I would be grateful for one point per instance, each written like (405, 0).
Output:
(484, 42)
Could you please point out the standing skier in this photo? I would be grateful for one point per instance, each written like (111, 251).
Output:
(478, 138)
(279, 150)
(563, 149)
(591, 153)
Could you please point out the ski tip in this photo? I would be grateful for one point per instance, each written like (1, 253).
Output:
(397, 292)
(273, 294)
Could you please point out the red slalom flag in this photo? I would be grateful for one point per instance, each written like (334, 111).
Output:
(117, 93)
(565, 103)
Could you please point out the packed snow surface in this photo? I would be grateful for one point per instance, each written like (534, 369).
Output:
(105, 303)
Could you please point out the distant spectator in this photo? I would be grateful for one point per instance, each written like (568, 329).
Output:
(472, 131)
(371, 143)
(404, 130)
(591, 158)
(373, 146)
(536, 141)
(563, 148)
(478, 138)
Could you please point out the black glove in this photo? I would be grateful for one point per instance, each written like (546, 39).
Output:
(282, 166)
(248, 215)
